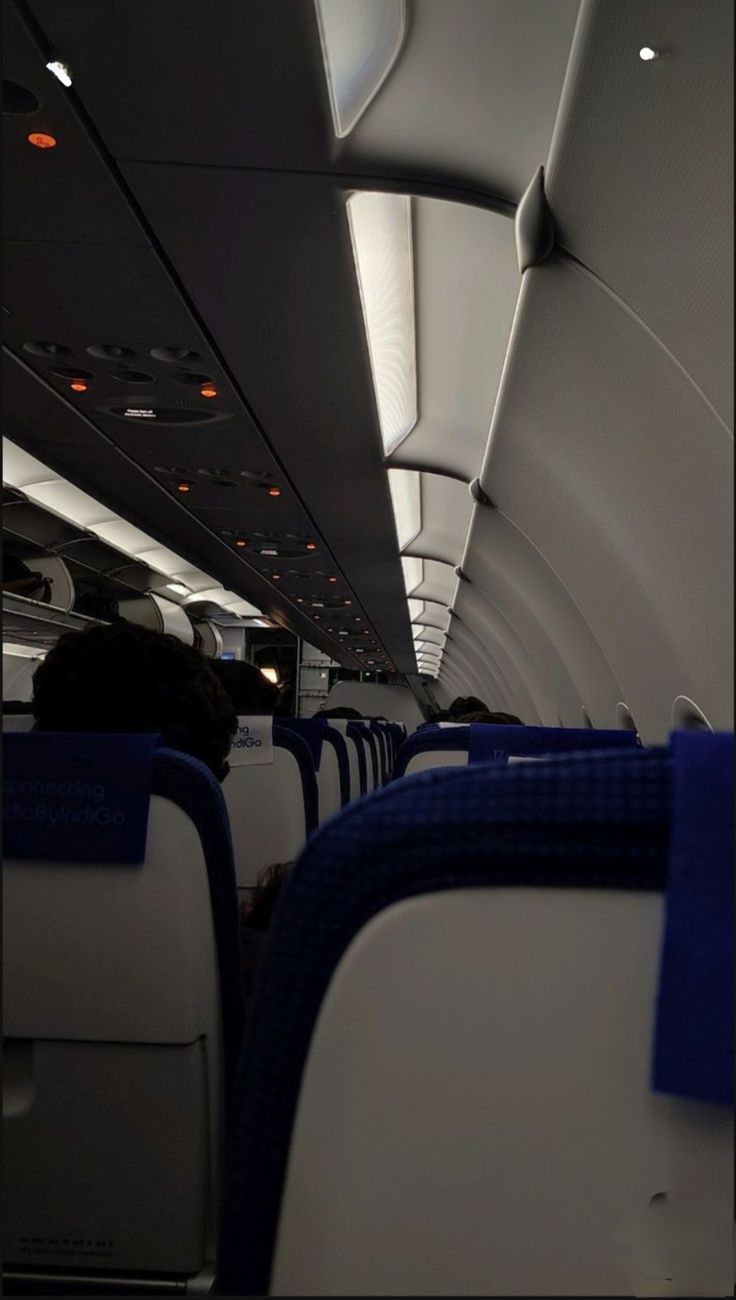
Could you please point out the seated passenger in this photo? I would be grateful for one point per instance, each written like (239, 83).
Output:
(127, 678)
(465, 704)
(250, 692)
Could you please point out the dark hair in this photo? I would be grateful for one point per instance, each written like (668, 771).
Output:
(248, 689)
(466, 704)
(257, 915)
(440, 715)
(127, 678)
(13, 707)
(341, 712)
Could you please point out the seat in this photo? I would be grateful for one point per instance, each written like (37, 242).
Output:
(355, 749)
(271, 796)
(123, 1009)
(455, 745)
(331, 762)
(18, 721)
(452, 1041)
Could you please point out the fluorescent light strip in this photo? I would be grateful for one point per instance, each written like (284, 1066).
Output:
(360, 44)
(44, 488)
(22, 651)
(380, 228)
(413, 568)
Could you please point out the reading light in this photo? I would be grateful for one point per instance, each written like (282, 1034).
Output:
(276, 577)
(78, 386)
(60, 71)
(347, 602)
(271, 675)
(178, 588)
(274, 492)
(647, 53)
(40, 140)
(208, 391)
(311, 546)
(331, 579)
(184, 486)
(240, 542)
(300, 600)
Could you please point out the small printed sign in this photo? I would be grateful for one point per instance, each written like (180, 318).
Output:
(252, 742)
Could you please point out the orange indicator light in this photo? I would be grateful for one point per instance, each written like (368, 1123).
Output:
(240, 542)
(183, 487)
(274, 492)
(78, 386)
(311, 546)
(40, 140)
(208, 391)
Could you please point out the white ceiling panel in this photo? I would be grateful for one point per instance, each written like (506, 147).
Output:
(446, 507)
(466, 283)
(474, 91)
(640, 175)
(607, 457)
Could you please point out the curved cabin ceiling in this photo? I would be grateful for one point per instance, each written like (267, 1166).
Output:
(518, 484)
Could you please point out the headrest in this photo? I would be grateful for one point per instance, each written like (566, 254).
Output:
(693, 1047)
(313, 731)
(77, 797)
(493, 741)
(252, 742)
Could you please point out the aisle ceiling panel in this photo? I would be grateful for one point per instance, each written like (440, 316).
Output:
(283, 304)
(466, 284)
(609, 460)
(257, 73)
(639, 174)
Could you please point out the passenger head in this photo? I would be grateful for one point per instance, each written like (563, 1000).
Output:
(126, 678)
(344, 712)
(466, 704)
(250, 692)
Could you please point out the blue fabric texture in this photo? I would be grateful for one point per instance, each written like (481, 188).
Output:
(693, 1046)
(297, 745)
(597, 820)
(337, 741)
(77, 796)
(489, 741)
(312, 730)
(486, 742)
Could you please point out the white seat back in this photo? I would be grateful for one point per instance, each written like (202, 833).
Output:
(265, 803)
(112, 1098)
(429, 758)
(485, 1124)
(18, 721)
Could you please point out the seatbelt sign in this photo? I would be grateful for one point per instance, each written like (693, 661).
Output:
(252, 742)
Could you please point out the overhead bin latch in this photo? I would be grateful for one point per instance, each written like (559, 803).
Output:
(535, 231)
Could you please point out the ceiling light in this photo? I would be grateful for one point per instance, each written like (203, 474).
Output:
(40, 140)
(413, 572)
(178, 588)
(380, 229)
(271, 674)
(60, 71)
(406, 500)
(45, 488)
(208, 391)
(184, 486)
(78, 386)
(331, 579)
(240, 542)
(647, 53)
(311, 546)
(274, 492)
(360, 44)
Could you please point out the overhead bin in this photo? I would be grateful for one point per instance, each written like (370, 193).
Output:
(158, 615)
